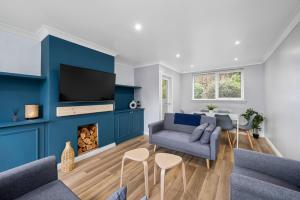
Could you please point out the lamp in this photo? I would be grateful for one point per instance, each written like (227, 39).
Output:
(31, 111)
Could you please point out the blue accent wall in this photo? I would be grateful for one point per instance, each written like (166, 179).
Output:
(56, 51)
(25, 141)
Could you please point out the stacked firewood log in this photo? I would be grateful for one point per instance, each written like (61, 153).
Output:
(87, 138)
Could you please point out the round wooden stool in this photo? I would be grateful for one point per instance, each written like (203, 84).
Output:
(166, 161)
(139, 155)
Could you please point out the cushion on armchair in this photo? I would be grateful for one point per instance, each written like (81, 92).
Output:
(197, 133)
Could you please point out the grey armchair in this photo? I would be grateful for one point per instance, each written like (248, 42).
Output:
(264, 177)
(34, 181)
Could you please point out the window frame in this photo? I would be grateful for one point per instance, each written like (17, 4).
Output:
(217, 78)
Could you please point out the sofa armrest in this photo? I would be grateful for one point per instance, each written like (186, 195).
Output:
(23, 179)
(244, 187)
(214, 143)
(154, 128)
(281, 168)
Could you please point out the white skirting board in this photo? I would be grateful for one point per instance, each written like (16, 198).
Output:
(276, 151)
(91, 153)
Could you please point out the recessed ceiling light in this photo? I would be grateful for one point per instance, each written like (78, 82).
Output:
(237, 42)
(138, 27)
(192, 66)
(178, 55)
(236, 59)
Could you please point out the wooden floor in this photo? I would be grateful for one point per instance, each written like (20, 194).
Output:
(98, 177)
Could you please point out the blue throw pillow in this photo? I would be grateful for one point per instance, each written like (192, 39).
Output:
(205, 138)
(198, 132)
(187, 119)
(120, 194)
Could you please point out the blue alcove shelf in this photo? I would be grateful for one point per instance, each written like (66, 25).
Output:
(124, 94)
(17, 90)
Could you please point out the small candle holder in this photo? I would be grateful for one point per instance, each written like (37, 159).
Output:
(31, 111)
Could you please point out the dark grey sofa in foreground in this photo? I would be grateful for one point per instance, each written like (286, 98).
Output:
(34, 181)
(264, 177)
(176, 137)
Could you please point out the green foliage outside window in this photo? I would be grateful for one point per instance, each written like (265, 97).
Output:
(164, 89)
(204, 86)
(230, 85)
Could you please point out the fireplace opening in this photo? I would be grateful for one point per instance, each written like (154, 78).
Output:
(87, 138)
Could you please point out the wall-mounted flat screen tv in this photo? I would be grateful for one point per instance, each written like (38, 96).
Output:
(85, 85)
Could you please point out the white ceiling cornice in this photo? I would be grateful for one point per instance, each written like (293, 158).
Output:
(18, 31)
(45, 30)
(290, 27)
(158, 63)
(224, 68)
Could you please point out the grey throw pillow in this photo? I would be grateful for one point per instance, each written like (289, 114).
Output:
(198, 132)
(205, 138)
(119, 195)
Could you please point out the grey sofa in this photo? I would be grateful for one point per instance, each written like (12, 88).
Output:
(34, 181)
(166, 134)
(264, 177)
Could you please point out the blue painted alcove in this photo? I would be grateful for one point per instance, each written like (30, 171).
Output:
(29, 140)
(56, 51)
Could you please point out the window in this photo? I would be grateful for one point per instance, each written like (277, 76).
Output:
(223, 85)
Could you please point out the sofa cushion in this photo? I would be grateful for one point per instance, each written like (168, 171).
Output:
(180, 140)
(209, 120)
(169, 124)
(120, 194)
(197, 132)
(187, 119)
(50, 191)
(264, 177)
(205, 138)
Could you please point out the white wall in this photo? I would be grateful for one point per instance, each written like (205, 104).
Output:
(282, 81)
(176, 78)
(254, 93)
(148, 79)
(19, 54)
(124, 74)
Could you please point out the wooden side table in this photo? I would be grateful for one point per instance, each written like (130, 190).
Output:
(166, 161)
(139, 155)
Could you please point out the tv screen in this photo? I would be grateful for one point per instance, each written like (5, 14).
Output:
(85, 85)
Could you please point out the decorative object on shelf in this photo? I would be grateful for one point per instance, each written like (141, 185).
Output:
(15, 115)
(133, 105)
(257, 121)
(138, 104)
(211, 107)
(68, 158)
(31, 111)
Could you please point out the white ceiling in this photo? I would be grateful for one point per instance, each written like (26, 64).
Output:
(202, 31)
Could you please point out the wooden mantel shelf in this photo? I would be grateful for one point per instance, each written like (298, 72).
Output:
(80, 110)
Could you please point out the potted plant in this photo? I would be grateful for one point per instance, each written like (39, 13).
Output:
(258, 119)
(211, 107)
